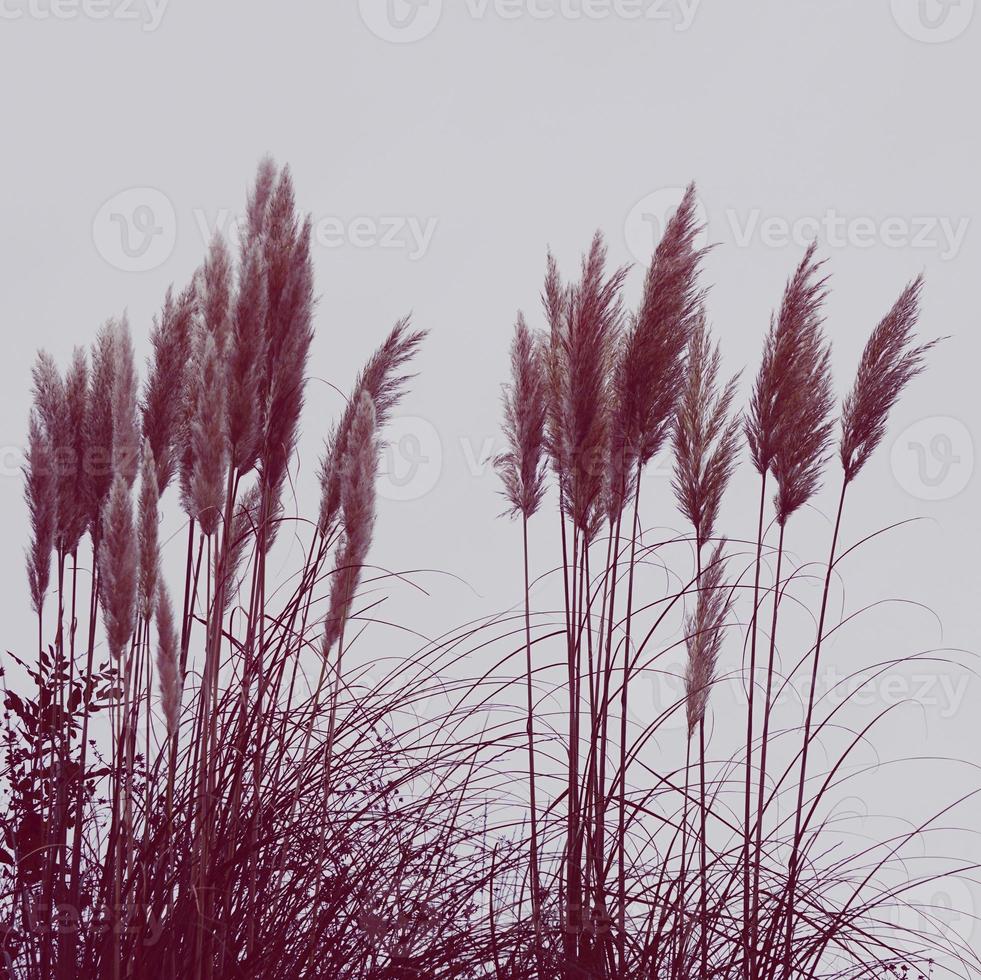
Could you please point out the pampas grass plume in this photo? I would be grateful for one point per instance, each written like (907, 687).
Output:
(384, 381)
(147, 534)
(99, 427)
(125, 428)
(706, 440)
(168, 670)
(41, 495)
(118, 567)
(358, 473)
(703, 638)
(888, 364)
(166, 389)
(522, 468)
(208, 434)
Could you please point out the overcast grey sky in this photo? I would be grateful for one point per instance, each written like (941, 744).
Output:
(441, 147)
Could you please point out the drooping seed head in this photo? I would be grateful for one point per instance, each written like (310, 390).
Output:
(703, 638)
(213, 284)
(650, 366)
(247, 359)
(60, 405)
(788, 426)
(168, 664)
(99, 428)
(41, 495)
(384, 380)
(288, 334)
(705, 438)
(585, 330)
(166, 390)
(359, 470)
(118, 567)
(522, 468)
(889, 362)
(769, 418)
(125, 423)
(245, 527)
(208, 434)
(148, 519)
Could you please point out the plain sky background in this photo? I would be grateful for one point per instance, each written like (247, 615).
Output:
(441, 148)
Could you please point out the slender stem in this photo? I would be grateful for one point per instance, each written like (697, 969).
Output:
(765, 733)
(622, 807)
(798, 829)
(681, 927)
(750, 926)
(569, 930)
(532, 798)
(74, 890)
(703, 808)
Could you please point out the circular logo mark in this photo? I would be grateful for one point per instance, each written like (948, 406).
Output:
(411, 459)
(933, 21)
(648, 218)
(136, 229)
(401, 21)
(934, 458)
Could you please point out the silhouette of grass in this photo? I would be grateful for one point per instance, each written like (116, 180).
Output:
(257, 780)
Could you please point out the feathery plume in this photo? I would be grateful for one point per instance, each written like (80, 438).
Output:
(165, 391)
(703, 638)
(288, 333)
(168, 671)
(49, 395)
(99, 428)
(706, 440)
(207, 434)
(358, 472)
(61, 405)
(649, 372)
(72, 516)
(555, 300)
(280, 237)
(767, 421)
(257, 208)
(125, 427)
(246, 359)
(49, 401)
(213, 285)
(888, 364)
(383, 381)
(244, 529)
(802, 454)
(147, 533)
(788, 426)
(117, 558)
(525, 399)
(40, 492)
(583, 339)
